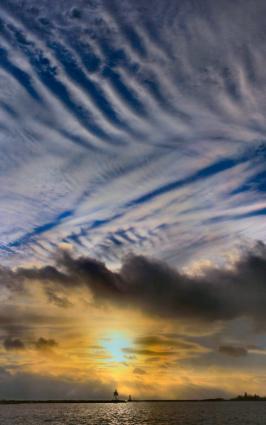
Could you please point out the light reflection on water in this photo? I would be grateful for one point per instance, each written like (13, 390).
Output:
(200, 413)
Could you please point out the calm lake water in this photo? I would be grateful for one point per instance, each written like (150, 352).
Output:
(201, 413)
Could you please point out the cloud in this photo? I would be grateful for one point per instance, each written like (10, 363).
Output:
(143, 141)
(13, 344)
(57, 299)
(147, 352)
(156, 288)
(45, 344)
(19, 322)
(139, 371)
(16, 344)
(233, 350)
(27, 386)
(156, 341)
(132, 127)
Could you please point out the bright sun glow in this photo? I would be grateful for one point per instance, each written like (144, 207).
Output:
(115, 344)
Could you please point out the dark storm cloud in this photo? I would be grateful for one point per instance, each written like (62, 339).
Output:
(16, 344)
(156, 288)
(45, 344)
(13, 344)
(57, 299)
(233, 350)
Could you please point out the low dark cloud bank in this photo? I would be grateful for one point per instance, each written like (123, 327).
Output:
(13, 344)
(28, 386)
(233, 350)
(16, 344)
(45, 344)
(155, 288)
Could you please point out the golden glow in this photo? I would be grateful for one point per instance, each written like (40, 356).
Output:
(142, 355)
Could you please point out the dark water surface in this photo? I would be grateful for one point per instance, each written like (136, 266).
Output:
(181, 413)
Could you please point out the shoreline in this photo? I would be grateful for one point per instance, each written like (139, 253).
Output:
(6, 402)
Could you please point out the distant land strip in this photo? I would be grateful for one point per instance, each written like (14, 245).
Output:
(239, 398)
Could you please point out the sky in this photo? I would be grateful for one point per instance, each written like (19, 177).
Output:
(132, 201)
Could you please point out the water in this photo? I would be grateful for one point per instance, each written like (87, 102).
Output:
(200, 413)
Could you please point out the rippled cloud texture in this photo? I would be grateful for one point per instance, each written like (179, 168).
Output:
(131, 126)
(133, 180)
